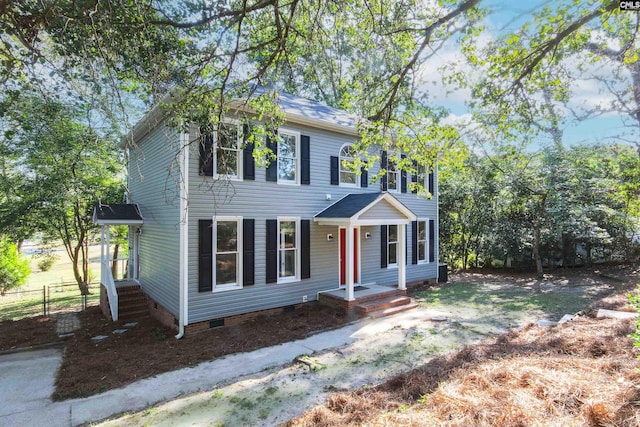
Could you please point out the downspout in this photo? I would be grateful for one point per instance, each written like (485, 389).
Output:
(437, 227)
(184, 230)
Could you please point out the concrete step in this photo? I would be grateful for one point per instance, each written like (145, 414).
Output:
(382, 303)
(392, 310)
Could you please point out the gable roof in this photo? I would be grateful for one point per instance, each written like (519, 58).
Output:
(296, 109)
(117, 213)
(360, 209)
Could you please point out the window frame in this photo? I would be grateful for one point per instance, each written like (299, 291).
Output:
(395, 171)
(239, 254)
(389, 243)
(298, 248)
(425, 221)
(341, 169)
(297, 158)
(238, 150)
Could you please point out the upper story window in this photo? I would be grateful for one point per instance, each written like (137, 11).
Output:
(288, 156)
(348, 175)
(393, 176)
(228, 150)
(220, 150)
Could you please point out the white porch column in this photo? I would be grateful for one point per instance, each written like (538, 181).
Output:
(402, 257)
(350, 260)
(102, 258)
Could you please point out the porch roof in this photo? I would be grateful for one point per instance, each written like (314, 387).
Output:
(117, 214)
(366, 209)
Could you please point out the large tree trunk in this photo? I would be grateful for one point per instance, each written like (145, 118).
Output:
(536, 251)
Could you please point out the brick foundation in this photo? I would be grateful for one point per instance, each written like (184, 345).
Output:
(239, 318)
(161, 314)
(104, 303)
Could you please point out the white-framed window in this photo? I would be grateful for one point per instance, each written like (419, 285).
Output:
(393, 175)
(348, 176)
(392, 245)
(422, 240)
(227, 241)
(288, 157)
(228, 153)
(421, 176)
(288, 249)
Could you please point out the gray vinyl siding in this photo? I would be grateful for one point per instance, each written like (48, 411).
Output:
(382, 210)
(154, 186)
(261, 200)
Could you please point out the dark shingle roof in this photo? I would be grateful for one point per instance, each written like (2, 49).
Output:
(349, 205)
(116, 212)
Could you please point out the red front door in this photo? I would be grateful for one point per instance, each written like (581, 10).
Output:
(343, 256)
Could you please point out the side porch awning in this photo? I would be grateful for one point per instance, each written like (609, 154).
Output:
(117, 214)
(367, 209)
(107, 215)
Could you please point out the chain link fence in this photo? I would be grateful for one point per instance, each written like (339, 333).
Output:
(51, 300)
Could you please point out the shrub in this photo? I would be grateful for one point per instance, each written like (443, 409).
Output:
(46, 261)
(14, 268)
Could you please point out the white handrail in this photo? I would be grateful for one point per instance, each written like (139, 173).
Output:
(110, 285)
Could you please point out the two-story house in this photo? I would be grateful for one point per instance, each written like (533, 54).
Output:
(221, 237)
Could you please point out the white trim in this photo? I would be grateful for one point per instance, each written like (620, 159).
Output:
(357, 177)
(118, 222)
(397, 172)
(397, 242)
(296, 135)
(183, 316)
(426, 241)
(358, 255)
(298, 258)
(240, 139)
(239, 249)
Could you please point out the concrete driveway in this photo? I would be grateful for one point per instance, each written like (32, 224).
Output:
(26, 384)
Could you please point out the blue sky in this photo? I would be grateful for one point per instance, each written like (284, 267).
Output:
(507, 16)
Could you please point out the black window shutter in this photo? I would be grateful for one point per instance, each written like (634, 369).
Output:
(305, 160)
(206, 154)
(248, 162)
(432, 240)
(403, 178)
(272, 169)
(414, 242)
(205, 255)
(431, 182)
(335, 171)
(383, 246)
(248, 252)
(305, 243)
(272, 251)
(383, 165)
(364, 177)
(414, 176)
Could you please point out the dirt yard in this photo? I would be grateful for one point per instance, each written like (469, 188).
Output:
(461, 368)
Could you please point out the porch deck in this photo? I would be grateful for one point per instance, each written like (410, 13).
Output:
(368, 297)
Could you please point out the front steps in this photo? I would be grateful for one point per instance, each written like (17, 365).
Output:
(385, 306)
(132, 303)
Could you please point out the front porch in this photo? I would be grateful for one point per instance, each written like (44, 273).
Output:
(369, 300)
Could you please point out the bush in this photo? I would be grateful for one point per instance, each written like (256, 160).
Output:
(14, 268)
(46, 261)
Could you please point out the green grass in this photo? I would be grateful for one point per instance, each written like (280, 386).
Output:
(480, 295)
(29, 304)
